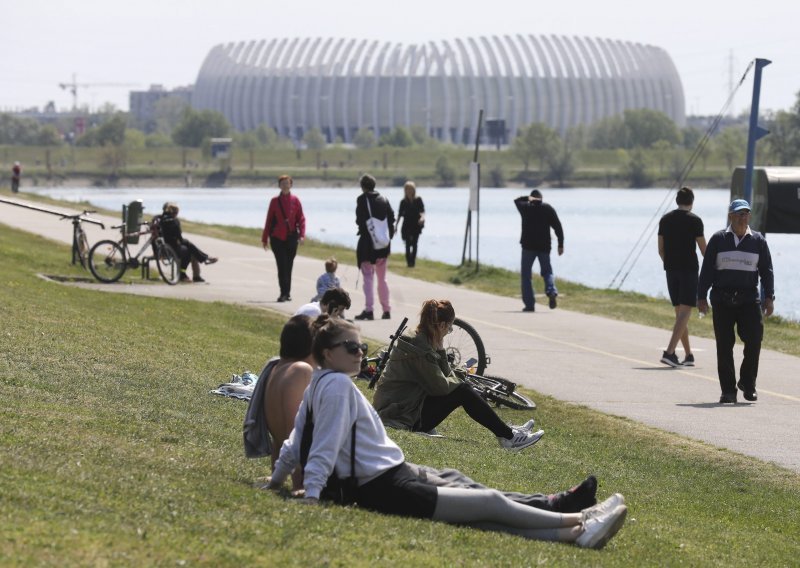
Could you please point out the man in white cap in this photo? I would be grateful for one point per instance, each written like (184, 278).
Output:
(736, 258)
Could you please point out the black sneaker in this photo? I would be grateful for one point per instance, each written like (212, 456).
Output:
(281, 298)
(211, 260)
(529, 309)
(365, 315)
(198, 279)
(670, 359)
(728, 398)
(386, 316)
(576, 499)
(553, 302)
(689, 361)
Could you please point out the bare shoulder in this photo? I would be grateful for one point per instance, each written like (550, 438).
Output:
(299, 369)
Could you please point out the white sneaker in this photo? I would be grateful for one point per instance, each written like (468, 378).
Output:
(604, 507)
(520, 440)
(597, 531)
(527, 427)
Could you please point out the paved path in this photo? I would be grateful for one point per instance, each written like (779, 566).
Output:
(608, 365)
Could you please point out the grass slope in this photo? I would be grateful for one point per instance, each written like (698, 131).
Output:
(114, 453)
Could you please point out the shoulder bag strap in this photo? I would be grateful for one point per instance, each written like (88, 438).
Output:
(285, 218)
(369, 209)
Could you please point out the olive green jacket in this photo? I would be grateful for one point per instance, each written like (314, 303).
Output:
(414, 371)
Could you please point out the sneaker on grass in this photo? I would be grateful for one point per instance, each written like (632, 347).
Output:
(521, 439)
(604, 508)
(597, 531)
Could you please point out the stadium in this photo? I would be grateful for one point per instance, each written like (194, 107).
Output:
(340, 86)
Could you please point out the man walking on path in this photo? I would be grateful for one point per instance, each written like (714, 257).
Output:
(373, 262)
(735, 259)
(678, 233)
(537, 219)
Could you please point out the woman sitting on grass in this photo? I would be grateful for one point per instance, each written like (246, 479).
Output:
(348, 440)
(287, 382)
(418, 389)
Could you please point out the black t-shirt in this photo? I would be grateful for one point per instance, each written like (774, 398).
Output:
(680, 229)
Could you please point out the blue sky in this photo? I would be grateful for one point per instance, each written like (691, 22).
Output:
(135, 44)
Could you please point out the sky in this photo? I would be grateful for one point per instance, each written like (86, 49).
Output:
(115, 46)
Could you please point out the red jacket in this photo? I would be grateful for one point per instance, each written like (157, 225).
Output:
(276, 225)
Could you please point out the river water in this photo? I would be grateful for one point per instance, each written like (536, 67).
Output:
(600, 226)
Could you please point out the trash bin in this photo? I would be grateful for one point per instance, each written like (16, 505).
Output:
(132, 215)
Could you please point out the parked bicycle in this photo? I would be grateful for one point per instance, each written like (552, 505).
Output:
(108, 260)
(80, 243)
(466, 354)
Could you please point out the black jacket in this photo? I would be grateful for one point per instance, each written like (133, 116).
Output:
(537, 218)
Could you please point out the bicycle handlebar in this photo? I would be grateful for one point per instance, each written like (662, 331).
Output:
(82, 218)
(385, 357)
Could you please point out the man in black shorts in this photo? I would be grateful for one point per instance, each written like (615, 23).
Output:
(678, 233)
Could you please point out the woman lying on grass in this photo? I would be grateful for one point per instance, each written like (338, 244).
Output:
(343, 421)
(418, 389)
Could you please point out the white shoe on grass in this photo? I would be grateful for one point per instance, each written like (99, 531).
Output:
(598, 530)
(521, 439)
(604, 507)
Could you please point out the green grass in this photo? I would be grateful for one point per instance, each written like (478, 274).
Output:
(114, 453)
(391, 165)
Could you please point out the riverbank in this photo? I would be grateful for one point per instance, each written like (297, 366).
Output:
(315, 179)
(334, 166)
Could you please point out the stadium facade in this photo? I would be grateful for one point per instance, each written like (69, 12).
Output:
(342, 85)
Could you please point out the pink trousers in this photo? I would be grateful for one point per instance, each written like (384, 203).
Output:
(369, 271)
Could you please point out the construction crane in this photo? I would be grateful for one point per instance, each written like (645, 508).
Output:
(73, 87)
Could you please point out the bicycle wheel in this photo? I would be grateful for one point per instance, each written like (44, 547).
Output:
(169, 265)
(107, 261)
(464, 348)
(500, 391)
(83, 249)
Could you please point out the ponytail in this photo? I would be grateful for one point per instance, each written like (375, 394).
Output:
(433, 313)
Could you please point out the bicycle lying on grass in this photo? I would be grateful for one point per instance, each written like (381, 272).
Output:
(80, 243)
(108, 260)
(467, 355)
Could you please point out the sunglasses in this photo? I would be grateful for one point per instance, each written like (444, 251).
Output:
(352, 347)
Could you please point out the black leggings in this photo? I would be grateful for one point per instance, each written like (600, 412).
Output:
(436, 408)
(411, 249)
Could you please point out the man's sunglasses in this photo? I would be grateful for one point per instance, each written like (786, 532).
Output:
(352, 347)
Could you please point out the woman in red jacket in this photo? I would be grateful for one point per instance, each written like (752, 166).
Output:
(285, 227)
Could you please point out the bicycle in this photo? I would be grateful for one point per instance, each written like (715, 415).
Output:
(497, 390)
(108, 260)
(80, 243)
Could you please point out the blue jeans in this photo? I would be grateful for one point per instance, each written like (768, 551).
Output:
(528, 256)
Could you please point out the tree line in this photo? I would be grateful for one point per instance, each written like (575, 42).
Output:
(646, 140)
